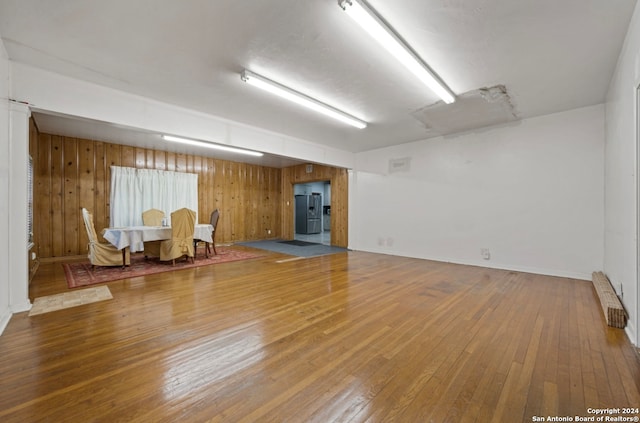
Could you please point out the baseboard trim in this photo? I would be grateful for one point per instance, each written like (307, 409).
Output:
(19, 308)
(4, 321)
(630, 330)
(62, 259)
(489, 265)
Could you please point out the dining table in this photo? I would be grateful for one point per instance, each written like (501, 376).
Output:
(134, 237)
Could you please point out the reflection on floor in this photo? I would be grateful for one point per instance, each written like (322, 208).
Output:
(321, 238)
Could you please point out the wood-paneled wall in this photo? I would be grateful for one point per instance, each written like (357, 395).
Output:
(73, 173)
(339, 199)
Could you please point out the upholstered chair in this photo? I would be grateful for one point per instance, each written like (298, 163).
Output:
(183, 223)
(152, 217)
(102, 253)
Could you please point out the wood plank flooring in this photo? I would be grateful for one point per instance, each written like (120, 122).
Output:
(350, 337)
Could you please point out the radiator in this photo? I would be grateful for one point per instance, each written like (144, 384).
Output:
(613, 310)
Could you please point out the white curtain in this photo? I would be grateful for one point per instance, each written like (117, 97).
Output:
(136, 190)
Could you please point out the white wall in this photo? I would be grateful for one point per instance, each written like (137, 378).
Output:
(51, 92)
(5, 312)
(621, 178)
(309, 188)
(531, 192)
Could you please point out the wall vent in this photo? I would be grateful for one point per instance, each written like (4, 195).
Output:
(399, 165)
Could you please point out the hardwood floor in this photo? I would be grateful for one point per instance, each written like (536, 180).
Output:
(347, 337)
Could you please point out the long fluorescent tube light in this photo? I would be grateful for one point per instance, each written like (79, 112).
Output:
(300, 99)
(211, 145)
(369, 20)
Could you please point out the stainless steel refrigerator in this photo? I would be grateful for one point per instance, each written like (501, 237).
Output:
(308, 214)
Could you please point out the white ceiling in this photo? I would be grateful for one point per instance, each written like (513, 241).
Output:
(541, 56)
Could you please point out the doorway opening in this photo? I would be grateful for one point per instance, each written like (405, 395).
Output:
(312, 212)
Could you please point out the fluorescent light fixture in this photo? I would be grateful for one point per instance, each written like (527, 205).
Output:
(369, 20)
(211, 145)
(300, 99)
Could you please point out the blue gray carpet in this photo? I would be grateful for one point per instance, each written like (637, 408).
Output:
(309, 249)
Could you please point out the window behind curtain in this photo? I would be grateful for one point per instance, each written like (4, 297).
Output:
(136, 190)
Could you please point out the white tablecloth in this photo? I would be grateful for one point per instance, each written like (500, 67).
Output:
(134, 237)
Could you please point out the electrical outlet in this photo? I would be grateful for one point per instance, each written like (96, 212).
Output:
(485, 253)
(268, 231)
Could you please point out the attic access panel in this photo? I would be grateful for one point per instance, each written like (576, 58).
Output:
(472, 110)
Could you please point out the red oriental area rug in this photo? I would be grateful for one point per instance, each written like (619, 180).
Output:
(80, 274)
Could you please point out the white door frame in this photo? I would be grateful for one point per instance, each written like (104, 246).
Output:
(637, 254)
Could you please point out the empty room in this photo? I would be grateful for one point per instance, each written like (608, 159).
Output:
(320, 211)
